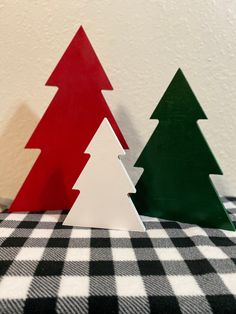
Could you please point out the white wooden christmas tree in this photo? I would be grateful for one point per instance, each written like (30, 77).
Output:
(104, 185)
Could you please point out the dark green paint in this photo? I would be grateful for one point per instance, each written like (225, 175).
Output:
(177, 161)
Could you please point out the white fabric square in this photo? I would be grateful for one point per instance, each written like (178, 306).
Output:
(195, 231)
(50, 216)
(6, 232)
(80, 233)
(130, 286)
(185, 286)
(41, 233)
(30, 254)
(13, 287)
(147, 218)
(229, 234)
(157, 233)
(16, 217)
(168, 254)
(229, 205)
(123, 254)
(212, 252)
(230, 282)
(74, 286)
(119, 234)
(78, 254)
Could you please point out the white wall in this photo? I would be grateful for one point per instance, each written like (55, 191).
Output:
(141, 44)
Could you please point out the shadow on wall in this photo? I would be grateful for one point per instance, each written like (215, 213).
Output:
(134, 143)
(15, 160)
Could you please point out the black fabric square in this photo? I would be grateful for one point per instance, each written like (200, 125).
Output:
(141, 242)
(222, 241)
(200, 267)
(49, 268)
(65, 227)
(58, 242)
(182, 242)
(59, 225)
(103, 304)
(170, 225)
(164, 304)
(28, 224)
(222, 304)
(233, 260)
(148, 268)
(231, 198)
(14, 242)
(100, 242)
(101, 268)
(4, 265)
(40, 306)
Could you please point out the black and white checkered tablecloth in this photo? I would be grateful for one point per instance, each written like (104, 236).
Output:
(170, 268)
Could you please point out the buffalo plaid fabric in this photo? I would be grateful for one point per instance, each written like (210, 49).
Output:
(171, 268)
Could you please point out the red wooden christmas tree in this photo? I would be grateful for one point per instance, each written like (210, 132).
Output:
(66, 129)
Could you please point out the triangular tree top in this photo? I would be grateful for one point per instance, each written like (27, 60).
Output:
(68, 72)
(103, 139)
(178, 102)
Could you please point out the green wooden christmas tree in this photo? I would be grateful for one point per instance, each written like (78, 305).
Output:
(177, 162)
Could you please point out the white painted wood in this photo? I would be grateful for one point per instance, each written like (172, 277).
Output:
(104, 185)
